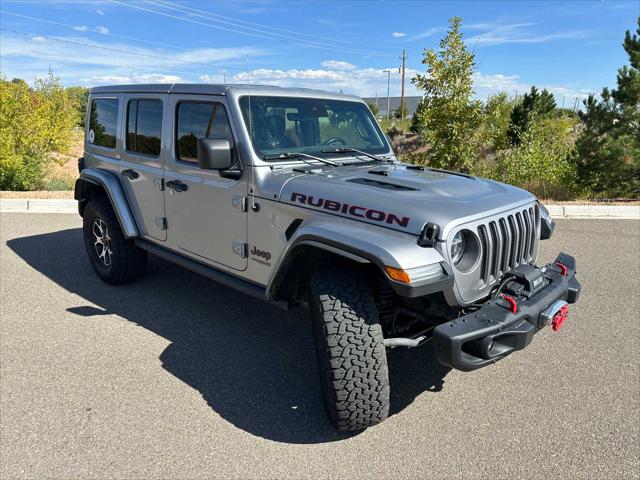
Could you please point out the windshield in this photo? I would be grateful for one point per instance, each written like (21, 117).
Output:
(310, 125)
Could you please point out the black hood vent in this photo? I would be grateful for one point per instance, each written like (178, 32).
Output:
(380, 184)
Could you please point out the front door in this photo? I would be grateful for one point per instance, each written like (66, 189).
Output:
(205, 211)
(142, 165)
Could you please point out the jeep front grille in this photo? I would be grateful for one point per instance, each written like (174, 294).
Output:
(508, 241)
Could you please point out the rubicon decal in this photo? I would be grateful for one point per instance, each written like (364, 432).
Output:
(353, 210)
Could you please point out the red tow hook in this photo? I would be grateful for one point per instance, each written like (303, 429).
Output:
(563, 268)
(559, 318)
(513, 306)
(555, 315)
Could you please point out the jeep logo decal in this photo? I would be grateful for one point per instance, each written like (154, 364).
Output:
(353, 210)
(260, 256)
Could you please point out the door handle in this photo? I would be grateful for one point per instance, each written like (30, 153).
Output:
(130, 174)
(177, 185)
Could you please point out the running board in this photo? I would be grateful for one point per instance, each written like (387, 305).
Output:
(219, 276)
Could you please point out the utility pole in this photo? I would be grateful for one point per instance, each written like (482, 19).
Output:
(388, 93)
(404, 60)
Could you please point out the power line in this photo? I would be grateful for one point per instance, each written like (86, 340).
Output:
(109, 34)
(208, 16)
(129, 52)
(266, 27)
(263, 35)
(332, 76)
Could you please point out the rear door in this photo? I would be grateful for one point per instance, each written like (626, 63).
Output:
(206, 214)
(143, 158)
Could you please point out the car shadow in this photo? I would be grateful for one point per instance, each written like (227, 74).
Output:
(253, 363)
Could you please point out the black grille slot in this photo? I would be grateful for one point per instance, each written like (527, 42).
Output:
(493, 232)
(507, 242)
(379, 184)
(482, 233)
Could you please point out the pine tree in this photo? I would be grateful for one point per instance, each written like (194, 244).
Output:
(608, 162)
(534, 103)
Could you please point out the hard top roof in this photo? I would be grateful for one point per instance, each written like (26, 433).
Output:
(213, 89)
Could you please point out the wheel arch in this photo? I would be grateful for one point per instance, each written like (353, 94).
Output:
(319, 240)
(92, 182)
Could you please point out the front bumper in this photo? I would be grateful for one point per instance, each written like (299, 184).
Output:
(504, 325)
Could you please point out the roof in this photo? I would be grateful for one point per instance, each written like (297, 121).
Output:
(410, 104)
(211, 89)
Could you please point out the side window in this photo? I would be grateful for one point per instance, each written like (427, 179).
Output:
(144, 126)
(103, 121)
(197, 120)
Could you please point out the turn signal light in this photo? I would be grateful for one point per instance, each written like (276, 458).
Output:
(397, 274)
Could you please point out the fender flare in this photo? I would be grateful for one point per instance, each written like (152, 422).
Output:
(355, 241)
(90, 178)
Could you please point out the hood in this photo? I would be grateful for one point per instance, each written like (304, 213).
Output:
(400, 196)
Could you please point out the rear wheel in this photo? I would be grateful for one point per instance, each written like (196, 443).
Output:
(114, 258)
(350, 348)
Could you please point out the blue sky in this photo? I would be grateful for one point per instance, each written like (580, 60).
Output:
(571, 48)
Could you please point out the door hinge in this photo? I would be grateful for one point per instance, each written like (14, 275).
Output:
(159, 182)
(161, 222)
(239, 202)
(240, 249)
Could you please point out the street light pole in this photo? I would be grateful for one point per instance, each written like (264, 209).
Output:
(388, 93)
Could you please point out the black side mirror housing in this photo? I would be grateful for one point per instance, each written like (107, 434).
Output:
(214, 154)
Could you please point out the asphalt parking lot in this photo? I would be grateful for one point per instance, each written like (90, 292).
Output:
(176, 376)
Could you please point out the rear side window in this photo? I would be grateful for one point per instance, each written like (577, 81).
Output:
(144, 126)
(197, 120)
(103, 121)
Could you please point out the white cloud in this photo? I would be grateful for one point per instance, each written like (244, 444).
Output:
(398, 34)
(489, 84)
(81, 28)
(38, 39)
(338, 65)
(102, 30)
(358, 81)
(499, 34)
(427, 33)
(135, 78)
(100, 12)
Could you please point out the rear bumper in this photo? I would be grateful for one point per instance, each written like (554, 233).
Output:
(502, 326)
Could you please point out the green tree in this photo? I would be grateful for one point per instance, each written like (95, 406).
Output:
(541, 104)
(608, 160)
(33, 123)
(80, 96)
(495, 121)
(448, 116)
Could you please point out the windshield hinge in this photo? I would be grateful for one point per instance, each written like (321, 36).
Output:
(240, 249)
(239, 202)
(161, 222)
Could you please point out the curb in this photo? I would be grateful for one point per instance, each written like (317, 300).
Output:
(631, 212)
(38, 205)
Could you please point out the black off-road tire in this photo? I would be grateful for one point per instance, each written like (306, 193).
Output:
(127, 262)
(350, 348)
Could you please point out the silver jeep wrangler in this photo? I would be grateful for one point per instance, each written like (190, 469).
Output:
(295, 197)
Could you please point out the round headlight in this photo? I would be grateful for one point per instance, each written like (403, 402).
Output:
(464, 250)
(457, 248)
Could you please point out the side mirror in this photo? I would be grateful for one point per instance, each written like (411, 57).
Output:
(214, 154)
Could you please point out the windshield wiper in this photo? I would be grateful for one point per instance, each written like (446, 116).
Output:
(289, 155)
(353, 150)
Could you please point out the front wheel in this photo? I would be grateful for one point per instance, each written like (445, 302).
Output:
(350, 348)
(114, 258)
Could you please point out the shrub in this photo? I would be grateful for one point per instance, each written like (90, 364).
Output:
(33, 123)
(543, 161)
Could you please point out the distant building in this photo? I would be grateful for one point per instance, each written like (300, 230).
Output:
(410, 105)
